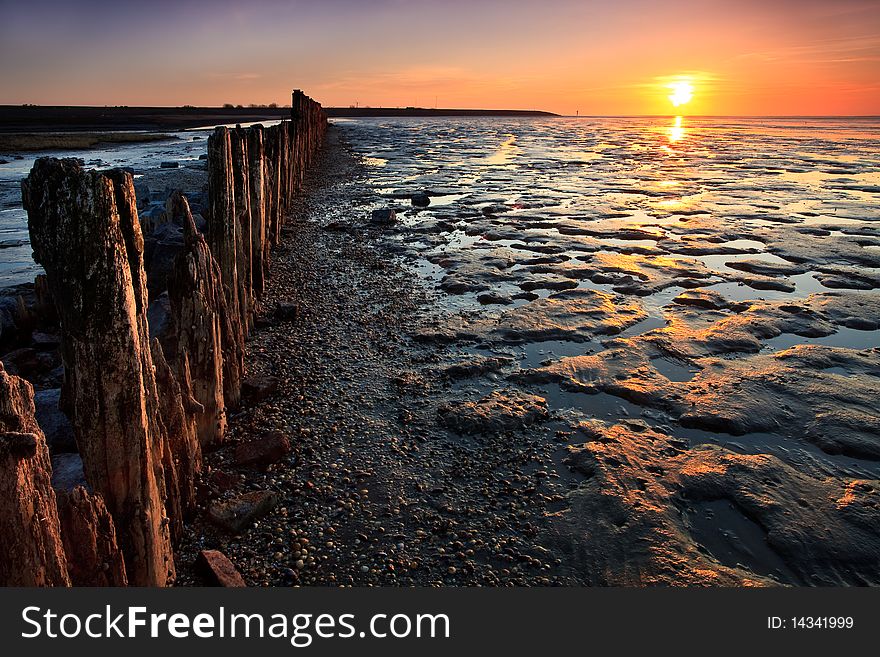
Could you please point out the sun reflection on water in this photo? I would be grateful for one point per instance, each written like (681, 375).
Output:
(676, 131)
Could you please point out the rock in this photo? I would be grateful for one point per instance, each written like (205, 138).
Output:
(56, 427)
(477, 366)
(708, 299)
(218, 570)
(493, 298)
(499, 411)
(237, 513)
(575, 315)
(641, 489)
(169, 165)
(288, 312)
(421, 200)
(30, 534)
(161, 250)
(383, 217)
(28, 363)
(262, 451)
(223, 481)
(258, 388)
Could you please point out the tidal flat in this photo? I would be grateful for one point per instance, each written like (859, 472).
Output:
(580, 351)
(609, 352)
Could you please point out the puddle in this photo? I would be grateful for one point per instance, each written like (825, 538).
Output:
(534, 354)
(735, 540)
(845, 337)
(673, 370)
(600, 405)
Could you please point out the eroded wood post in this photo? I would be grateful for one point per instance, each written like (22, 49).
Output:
(30, 534)
(86, 234)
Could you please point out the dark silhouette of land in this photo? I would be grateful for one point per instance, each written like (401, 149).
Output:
(50, 118)
(355, 112)
(46, 118)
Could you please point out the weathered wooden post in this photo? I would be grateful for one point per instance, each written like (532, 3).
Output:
(30, 533)
(204, 334)
(85, 232)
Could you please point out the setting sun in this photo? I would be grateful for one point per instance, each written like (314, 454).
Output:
(682, 92)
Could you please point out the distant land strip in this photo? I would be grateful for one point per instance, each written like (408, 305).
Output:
(357, 112)
(58, 118)
(46, 118)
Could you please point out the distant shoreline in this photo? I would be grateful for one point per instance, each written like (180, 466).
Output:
(45, 118)
(359, 112)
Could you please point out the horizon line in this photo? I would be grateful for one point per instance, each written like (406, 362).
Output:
(548, 113)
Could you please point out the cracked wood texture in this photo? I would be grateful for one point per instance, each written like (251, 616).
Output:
(85, 233)
(30, 536)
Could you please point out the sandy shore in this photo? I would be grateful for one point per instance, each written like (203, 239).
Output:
(423, 455)
(42, 141)
(376, 491)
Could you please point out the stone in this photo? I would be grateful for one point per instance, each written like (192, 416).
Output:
(45, 341)
(262, 451)
(237, 513)
(383, 217)
(223, 481)
(169, 165)
(258, 388)
(67, 471)
(288, 312)
(218, 570)
(420, 200)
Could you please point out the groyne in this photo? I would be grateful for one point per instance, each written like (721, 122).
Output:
(143, 397)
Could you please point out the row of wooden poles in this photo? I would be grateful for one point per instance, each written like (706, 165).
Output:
(141, 409)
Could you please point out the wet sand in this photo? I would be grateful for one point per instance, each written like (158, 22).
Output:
(375, 491)
(572, 437)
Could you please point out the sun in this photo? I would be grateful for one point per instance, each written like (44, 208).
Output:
(682, 92)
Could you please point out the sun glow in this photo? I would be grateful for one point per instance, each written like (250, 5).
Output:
(682, 92)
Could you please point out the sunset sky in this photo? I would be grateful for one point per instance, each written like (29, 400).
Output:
(767, 57)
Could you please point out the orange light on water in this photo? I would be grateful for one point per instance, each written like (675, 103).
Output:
(676, 130)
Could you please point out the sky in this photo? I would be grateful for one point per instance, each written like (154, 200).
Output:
(747, 57)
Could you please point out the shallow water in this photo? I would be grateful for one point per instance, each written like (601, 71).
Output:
(16, 263)
(799, 195)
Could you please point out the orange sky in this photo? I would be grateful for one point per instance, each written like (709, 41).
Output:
(742, 58)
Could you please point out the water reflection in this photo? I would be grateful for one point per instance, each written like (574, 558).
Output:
(676, 131)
